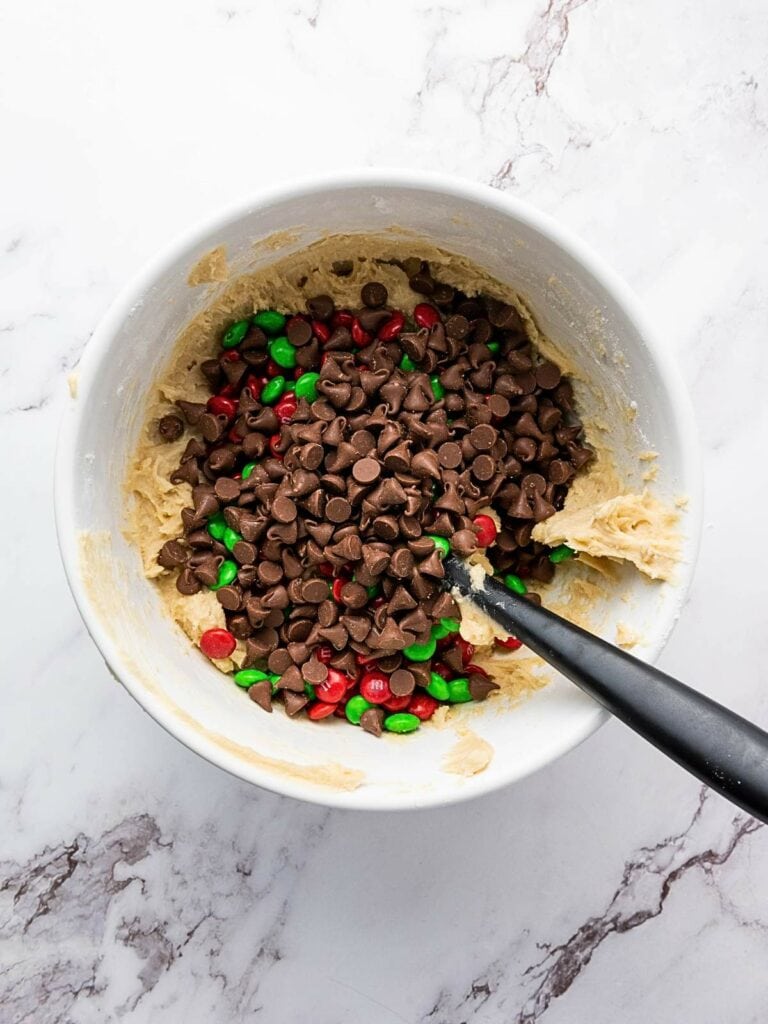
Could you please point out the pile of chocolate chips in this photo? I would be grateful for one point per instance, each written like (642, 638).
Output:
(318, 502)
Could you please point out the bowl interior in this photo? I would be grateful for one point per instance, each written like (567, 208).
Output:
(582, 310)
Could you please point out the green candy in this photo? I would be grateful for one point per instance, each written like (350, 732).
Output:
(437, 388)
(272, 390)
(290, 385)
(248, 468)
(407, 365)
(420, 652)
(274, 678)
(401, 722)
(458, 691)
(309, 690)
(283, 352)
(438, 687)
(443, 546)
(249, 676)
(306, 386)
(217, 524)
(230, 538)
(513, 582)
(561, 554)
(445, 628)
(270, 321)
(355, 707)
(494, 346)
(373, 590)
(235, 333)
(439, 632)
(227, 573)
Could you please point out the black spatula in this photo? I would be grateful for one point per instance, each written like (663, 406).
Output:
(716, 745)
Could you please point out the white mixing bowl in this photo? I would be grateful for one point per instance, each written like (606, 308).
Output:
(577, 301)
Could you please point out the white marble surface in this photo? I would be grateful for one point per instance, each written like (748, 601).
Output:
(138, 883)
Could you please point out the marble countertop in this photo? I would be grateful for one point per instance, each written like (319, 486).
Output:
(140, 884)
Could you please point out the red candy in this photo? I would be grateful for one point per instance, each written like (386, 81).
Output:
(485, 529)
(274, 441)
(425, 315)
(320, 710)
(374, 686)
(321, 331)
(336, 589)
(286, 407)
(273, 370)
(333, 688)
(325, 569)
(234, 437)
(360, 336)
(342, 318)
(229, 391)
(397, 703)
(443, 670)
(423, 706)
(390, 330)
(221, 405)
(475, 670)
(466, 648)
(255, 384)
(217, 643)
(323, 654)
(364, 659)
(510, 644)
(232, 357)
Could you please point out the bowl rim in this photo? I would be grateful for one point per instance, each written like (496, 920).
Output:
(97, 349)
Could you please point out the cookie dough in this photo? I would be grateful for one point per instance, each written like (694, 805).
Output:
(597, 520)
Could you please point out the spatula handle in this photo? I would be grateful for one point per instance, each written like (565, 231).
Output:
(721, 748)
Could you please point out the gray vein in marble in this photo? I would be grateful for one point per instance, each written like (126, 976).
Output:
(60, 907)
(646, 884)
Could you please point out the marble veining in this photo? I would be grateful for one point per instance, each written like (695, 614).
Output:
(140, 884)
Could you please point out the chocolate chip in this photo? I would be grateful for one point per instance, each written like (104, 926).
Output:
(483, 467)
(187, 583)
(338, 510)
(353, 595)
(321, 307)
(227, 489)
(170, 428)
(483, 437)
(480, 686)
(294, 702)
(503, 316)
(373, 294)
(548, 376)
(172, 554)
(372, 721)
(314, 671)
(230, 598)
(401, 563)
(402, 682)
(314, 591)
(366, 471)
(261, 693)
(298, 332)
(449, 455)
(284, 509)
(464, 542)
(191, 411)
